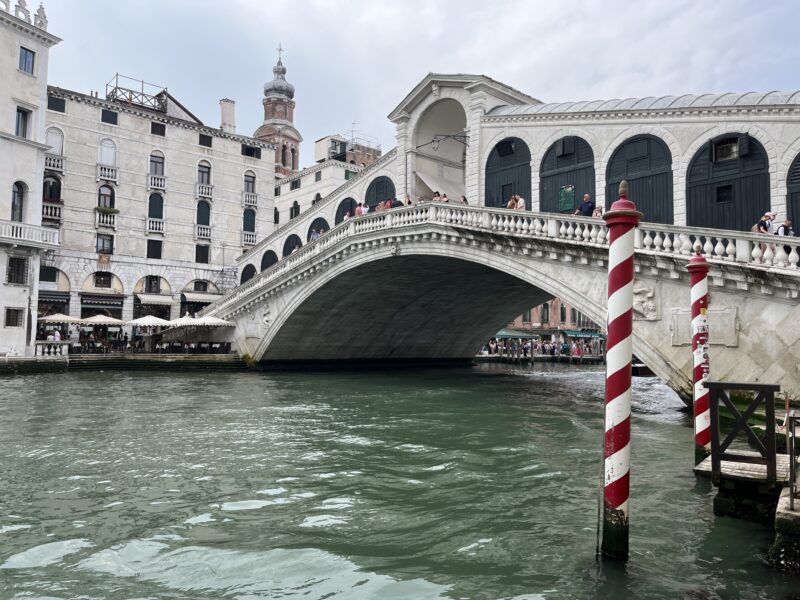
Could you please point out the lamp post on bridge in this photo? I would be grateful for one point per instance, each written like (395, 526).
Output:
(621, 219)
(698, 274)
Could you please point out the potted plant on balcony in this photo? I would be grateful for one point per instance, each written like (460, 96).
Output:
(106, 210)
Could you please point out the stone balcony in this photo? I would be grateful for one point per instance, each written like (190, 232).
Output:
(156, 183)
(107, 173)
(248, 238)
(202, 232)
(51, 211)
(204, 190)
(155, 225)
(24, 234)
(53, 162)
(250, 199)
(102, 219)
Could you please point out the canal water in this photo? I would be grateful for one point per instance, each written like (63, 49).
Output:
(461, 483)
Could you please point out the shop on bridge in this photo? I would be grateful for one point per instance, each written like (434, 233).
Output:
(566, 174)
(508, 172)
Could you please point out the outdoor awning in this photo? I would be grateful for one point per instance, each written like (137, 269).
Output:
(509, 333)
(102, 300)
(53, 297)
(162, 299)
(201, 297)
(453, 189)
(581, 334)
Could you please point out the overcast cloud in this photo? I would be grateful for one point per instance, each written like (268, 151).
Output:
(355, 61)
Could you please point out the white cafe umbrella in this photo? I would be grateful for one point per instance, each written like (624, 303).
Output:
(149, 321)
(185, 321)
(102, 320)
(59, 318)
(210, 321)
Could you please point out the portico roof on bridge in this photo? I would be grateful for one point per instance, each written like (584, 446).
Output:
(754, 99)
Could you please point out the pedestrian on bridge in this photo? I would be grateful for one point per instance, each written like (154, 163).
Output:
(586, 209)
(520, 202)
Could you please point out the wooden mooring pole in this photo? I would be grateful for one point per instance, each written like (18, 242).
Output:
(622, 220)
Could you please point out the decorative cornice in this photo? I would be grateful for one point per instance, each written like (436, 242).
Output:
(39, 34)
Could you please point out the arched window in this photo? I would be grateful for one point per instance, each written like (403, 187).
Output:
(105, 196)
(380, 189)
(155, 207)
(283, 155)
(276, 216)
(295, 210)
(346, 207)
(508, 172)
(545, 318)
(157, 164)
(317, 198)
(566, 174)
(318, 225)
(204, 173)
(294, 159)
(108, 153)
(55, 141)
(249, 220)
(248, 273)
(250, 182)
(18, 201)
(563, 313)
(269, 259)
(291, 244)
(51, 191)
(203, 213)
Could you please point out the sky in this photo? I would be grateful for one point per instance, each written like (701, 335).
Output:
(355, 60)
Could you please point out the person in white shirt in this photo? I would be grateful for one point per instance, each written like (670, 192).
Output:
(56, 336)
(364, 209)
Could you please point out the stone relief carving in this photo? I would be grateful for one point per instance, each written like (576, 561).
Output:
(266, 316)
(435, 90)
(395, 250)
(645, 307)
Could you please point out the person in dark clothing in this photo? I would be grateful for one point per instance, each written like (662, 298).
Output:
(586, 209)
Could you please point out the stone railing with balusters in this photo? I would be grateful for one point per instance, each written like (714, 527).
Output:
(205, 190)
(54, 163)
(107, 173)
(51, 349)
(249, 199)
(248, 238)
(104, 219)
(24, 234)
(155, 225)
(51, 210)
(203, 232)
(157, 182)
(654, 238)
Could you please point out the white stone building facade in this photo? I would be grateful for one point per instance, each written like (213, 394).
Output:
(24, 50)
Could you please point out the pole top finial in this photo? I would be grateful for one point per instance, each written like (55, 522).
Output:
(623, 189)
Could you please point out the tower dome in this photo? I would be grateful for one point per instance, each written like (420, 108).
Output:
(279, 85)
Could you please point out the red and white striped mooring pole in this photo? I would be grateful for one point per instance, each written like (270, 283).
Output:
(698, 274)
(621, 220)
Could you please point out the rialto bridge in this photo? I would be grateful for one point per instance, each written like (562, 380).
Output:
(434, 281)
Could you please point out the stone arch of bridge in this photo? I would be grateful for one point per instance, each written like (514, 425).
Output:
(431, 288)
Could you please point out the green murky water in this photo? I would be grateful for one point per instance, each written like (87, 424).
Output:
(466, 483)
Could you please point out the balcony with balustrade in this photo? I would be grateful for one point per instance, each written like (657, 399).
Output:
(51, 213)
(202, 232)
(53, 162)
(249, 199)
(156, 183)
(155, 225)
(24, 234)
(107, 173)
(205, 190)
(105, 219)
(248, 238)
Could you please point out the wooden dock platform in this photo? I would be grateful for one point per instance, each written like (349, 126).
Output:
(748, 472)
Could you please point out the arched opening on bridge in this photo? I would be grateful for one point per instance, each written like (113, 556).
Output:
(248, 273)
(291, 244)
(566, 174)
(380, 189)
(793, 193)
(268, 259)
(645, 162)
(319, 225)
(440, 150)
(346, 207)
(727, 183)
(508, 172)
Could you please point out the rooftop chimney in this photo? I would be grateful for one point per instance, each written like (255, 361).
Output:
(227, 109)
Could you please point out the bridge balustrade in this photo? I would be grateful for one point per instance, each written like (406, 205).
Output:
(759, 251)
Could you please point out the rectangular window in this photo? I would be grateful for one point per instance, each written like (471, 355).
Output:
(574, 315)
(204, 174)
(200, 286)
(526, 318)
(22, 122)
(563, 314)
(318, 176)
(152, 284)
(201, 254)
(249, 184)
(102, 279)
(205, 140)
(108, 116)
(156, 165)
(26, 60)
(14, 317)
(726, 150)
(277, 190)
(48, 274)
(105, 244)
(251, 151)
(154, 248)
(295, 185)
(348, 175)
(158, 129)
(17, 270)
(724, 194)
(56, 104)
